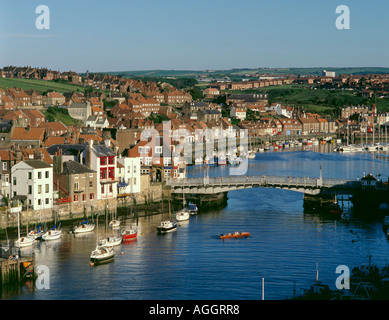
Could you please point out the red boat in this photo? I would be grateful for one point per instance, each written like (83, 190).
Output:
(235, 235)
(129, 235)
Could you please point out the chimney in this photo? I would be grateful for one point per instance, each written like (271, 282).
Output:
(88, 153)
(58, 163)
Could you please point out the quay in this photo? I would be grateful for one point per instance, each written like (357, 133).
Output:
(14, 271)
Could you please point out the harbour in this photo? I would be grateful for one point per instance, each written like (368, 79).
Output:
(286, 242)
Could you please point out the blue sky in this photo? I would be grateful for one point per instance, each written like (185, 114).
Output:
(193, 35)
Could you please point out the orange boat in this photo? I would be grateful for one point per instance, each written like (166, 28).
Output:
(234, 235)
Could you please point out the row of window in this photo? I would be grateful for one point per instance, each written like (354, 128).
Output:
(105, 160)
(83, 197)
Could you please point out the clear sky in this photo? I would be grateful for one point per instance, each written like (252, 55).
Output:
(193, 35)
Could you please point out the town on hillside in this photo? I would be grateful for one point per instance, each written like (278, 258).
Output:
(98, 158)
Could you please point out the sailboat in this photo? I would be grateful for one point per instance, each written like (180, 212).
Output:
(166, 225)
(23, 242)
(115, 223)
(84, 227)
(109, 241)
(54, 233)
(183, 214)
(101, 254)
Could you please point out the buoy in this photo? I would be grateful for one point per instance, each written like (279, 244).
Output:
(122, 253)
(91, 264)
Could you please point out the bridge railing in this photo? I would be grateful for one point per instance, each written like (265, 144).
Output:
(259, 180)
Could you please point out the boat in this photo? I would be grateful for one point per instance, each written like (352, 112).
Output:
(335, 207)
(114, 224)
(101, 254)
(251, 154)
(235, 235)
(110, 242)
(130, 234)
(52, 234)
(84, 227)
(23, 242)
(36, 233)
(192, 208)
(182, 215)
(166, 226)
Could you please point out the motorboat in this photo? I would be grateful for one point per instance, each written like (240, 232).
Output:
(167, 226)
(251, 154)
(235, 235)
(102, 254)
(36, 233)
(192, 208)
(130, 234)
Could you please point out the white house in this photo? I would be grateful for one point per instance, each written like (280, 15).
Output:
(239, 113)
(128, 173)
(33, 179)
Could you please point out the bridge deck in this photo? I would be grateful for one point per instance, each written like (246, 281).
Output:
(225, 184)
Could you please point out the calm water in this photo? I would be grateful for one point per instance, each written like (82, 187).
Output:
(193, 264)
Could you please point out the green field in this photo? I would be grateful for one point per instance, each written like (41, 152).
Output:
(317, 101)
(40, 85)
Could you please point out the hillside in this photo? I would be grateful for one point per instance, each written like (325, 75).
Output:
(42, 86)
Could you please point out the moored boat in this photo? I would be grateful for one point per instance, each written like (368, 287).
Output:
(23, 242)
(167, 226)
(235, 235)
(110, 242)
(84, 227)
(102, 255)
(192, 208)
(182, 215)
(52, 234)
(130, 234)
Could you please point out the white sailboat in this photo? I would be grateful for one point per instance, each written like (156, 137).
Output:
(54, 233)
(23, 242)
(111, 241)
(84, 227)
(101, 254)
(183, 214)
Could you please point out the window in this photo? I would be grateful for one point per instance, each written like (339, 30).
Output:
(103, 173)
(102, 189)
(29, 189)
(92, 196)
(39, 175)
(134, 181)
(158, 149)
(47, 188)
(111, 173)
(75, 198)
(90, 184)
(47, 174)
(4, 166)
(14, 181)
(83, 197)
(39, 202)
(47, 200)
(76, 186)
(103, 161)
(39, 189)
(110, 188)
(111, 160)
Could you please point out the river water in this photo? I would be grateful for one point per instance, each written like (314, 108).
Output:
(285, 249)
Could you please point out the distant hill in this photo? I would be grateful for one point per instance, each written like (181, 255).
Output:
(316, 71)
